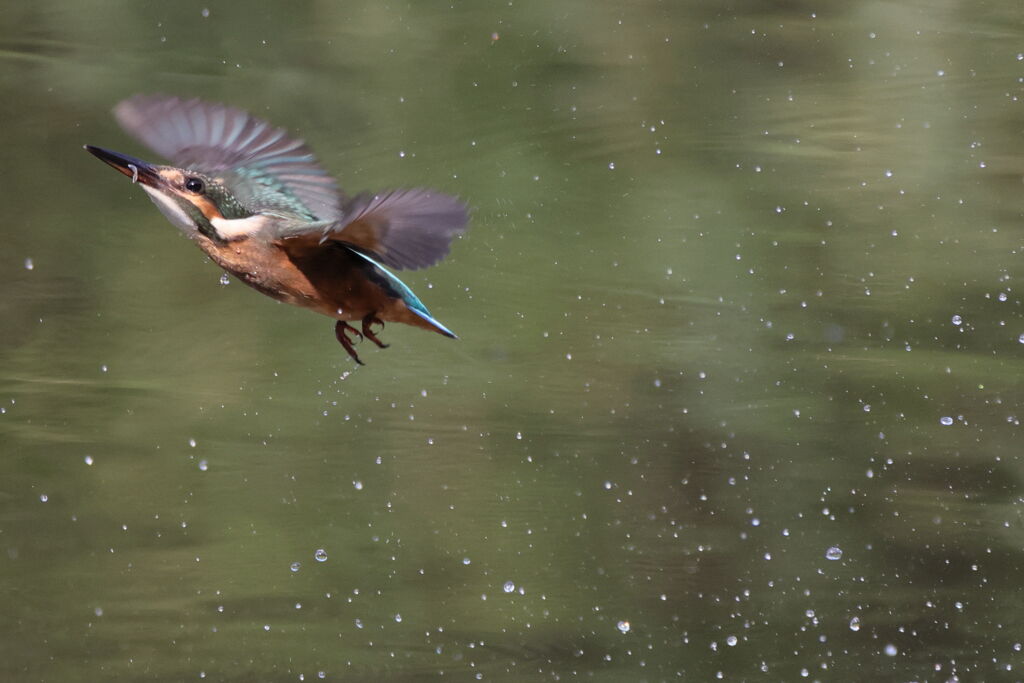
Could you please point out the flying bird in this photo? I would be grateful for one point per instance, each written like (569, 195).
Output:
(258, 203)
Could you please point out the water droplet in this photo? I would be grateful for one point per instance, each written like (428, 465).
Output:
(295, 566)
(43, 497)
(320, 555)
(891, 650)
(29, 264)
(98, 611)
(203, 465)
(946, 420)
(731, 641)
(88, 460)
(508, 587)
(224, 279)
(466, 560)
(957, 320)
(192, 443)
(611, 166)
(398, 618)
(357, 485)
(834, 553)
(623, 626)
(855, 624)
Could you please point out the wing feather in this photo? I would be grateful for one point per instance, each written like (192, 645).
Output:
(268, 167)
(403, 229)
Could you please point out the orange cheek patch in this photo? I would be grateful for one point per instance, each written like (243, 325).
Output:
(207, 208)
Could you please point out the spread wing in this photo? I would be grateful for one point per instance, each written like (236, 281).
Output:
(404, 229)
(263, 165)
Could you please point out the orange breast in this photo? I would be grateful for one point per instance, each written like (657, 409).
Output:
(330, 280)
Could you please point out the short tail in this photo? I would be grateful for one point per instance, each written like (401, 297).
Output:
(433, 323)
(402, 291)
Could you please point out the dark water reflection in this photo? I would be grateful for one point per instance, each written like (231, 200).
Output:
(736, 395)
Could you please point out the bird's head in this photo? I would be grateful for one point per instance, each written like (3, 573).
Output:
(233, 174)
(193, 201)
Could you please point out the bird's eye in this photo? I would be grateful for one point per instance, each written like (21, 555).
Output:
(194, 185)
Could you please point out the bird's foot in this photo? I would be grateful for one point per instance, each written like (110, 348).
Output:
(341, 331)
(368, 333)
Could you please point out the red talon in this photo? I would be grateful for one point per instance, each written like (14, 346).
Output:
(341, 330)
(368, 333)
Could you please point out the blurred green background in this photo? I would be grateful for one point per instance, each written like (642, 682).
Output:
(737, 394)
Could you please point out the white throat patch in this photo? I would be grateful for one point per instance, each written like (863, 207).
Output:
(227, 228)
(233, 228)
(172, 211)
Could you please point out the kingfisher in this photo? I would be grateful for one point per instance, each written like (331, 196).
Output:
(257, 201)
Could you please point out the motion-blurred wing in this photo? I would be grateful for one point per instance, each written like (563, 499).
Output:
(403, 229)
(262, 165)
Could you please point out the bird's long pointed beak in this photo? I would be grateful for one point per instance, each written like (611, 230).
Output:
(138, 170)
